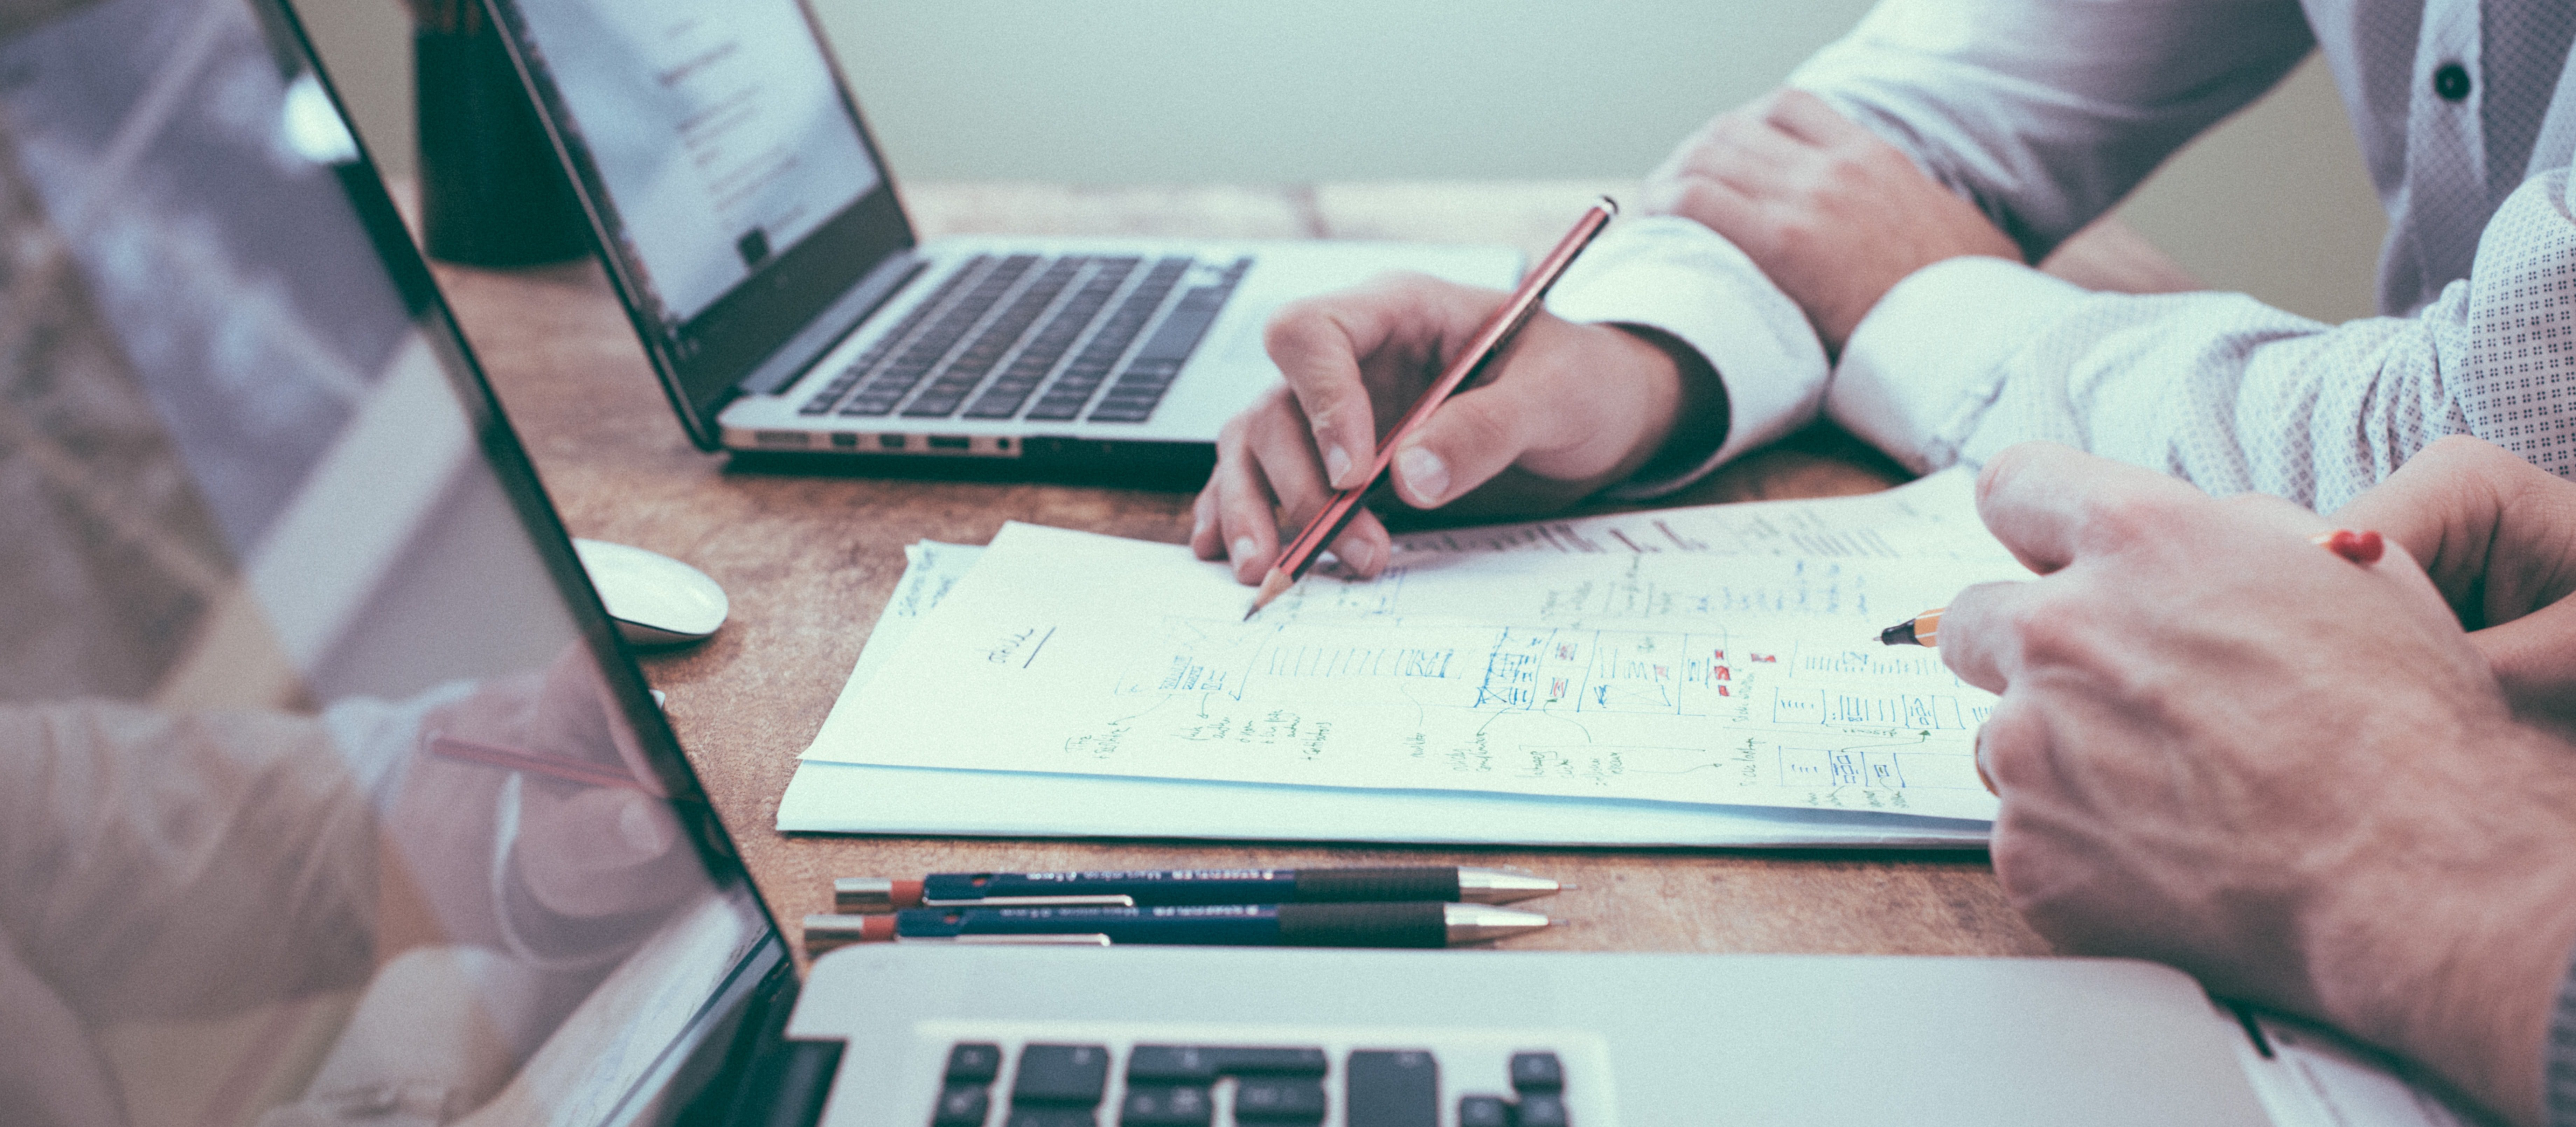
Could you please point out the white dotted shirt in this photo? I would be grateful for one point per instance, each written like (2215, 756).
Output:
(2046, 113)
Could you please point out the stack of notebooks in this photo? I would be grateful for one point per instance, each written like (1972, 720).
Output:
(1703, 676)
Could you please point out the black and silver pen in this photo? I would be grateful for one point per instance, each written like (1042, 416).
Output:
(1416, 924)
(1145, 887)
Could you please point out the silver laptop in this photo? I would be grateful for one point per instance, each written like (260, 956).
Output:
(758, 242)
(329, 795)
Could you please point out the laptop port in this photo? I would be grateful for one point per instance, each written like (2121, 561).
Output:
(845, 441)
(939, 442)
(890, 441)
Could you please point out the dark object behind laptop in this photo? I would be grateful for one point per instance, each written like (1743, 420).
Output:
(491, 193)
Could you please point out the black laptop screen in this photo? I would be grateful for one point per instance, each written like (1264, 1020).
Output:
(326, 794)
(725, 171)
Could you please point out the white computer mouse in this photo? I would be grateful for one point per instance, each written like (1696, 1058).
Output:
(656, 600)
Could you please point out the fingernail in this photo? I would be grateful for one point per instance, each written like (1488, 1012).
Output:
(1337, 462)
(1361, 557)
(1244, 546)
(1198, 528)
(1424, 474)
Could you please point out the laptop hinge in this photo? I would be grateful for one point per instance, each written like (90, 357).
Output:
(827, 328)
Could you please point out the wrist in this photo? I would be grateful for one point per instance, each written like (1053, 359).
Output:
(2450, 941)
(1689, 419)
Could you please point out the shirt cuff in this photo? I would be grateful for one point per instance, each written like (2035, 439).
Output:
(1680, 278)
(1927, 361)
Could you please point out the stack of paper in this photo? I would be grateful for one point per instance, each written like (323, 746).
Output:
(1705, 676)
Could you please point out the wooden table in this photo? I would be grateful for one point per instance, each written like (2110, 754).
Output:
(810, 561)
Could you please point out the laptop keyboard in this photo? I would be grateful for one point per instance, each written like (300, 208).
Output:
(1046, 1082)
(993, 340)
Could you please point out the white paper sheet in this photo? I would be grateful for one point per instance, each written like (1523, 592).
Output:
(1674, 677)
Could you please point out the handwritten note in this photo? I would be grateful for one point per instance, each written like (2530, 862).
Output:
(1732, 663)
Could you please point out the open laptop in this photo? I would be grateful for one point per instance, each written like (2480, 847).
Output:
(755, 234)
(329, 795)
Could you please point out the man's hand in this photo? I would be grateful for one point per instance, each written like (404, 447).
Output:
(2291, 775)
(1570, 408)
(2498, 536)
(1834, 215)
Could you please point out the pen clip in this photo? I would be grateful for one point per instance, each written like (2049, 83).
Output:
(1092, 901)
(1078, 940)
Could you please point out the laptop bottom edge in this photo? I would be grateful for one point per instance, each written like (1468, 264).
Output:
(1080, 461)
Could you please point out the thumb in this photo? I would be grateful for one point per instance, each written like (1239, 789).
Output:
(1475, 435)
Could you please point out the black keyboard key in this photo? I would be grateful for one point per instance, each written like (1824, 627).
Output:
(1189, 321)
(1391, 1089)
(973, 1063)
(1537, 1072)
(1166, 1107)
(1061, 1074)
(1200, 1064)
(1051, 1117)
(1170, 1064)
(1276, 1099)
(1263, 1061)
(962, 1105)
(1541, 1109)
(1484, 1111)
(971, 366)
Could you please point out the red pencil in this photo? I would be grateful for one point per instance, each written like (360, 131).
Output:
(1301, 553)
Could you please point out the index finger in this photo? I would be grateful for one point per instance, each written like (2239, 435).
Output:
(2047, 502)
(1977, 640)
(1321, 345)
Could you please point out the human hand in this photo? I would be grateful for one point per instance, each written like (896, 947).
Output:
(2291, 775)
(2498, 536)
(1835, 216)
(579, 851)
(1570, 408)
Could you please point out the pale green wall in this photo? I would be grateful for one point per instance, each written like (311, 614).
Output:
(1119, 91)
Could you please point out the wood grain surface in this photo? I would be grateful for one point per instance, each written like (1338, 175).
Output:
(810, 561)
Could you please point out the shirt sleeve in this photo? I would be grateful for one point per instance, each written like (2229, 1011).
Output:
(1680, 278)
(226, 858)
(2045, 113)
(1968, 356)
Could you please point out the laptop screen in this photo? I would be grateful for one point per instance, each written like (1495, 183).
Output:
(721, 136)
(326, 792)
(726, 174)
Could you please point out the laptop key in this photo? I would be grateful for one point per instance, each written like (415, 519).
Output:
(1279, 1100)
(1157, 364)
(973, 1063)
(1541, 1109)
(885, 345)
(1537, 1072)
(1051, 1117)
(970, 367)
(1391, 1089)
(962, 1105)
(1234, 1060)
(1004, 398)
(1166, 1107)
(1061, 1074)
(1484, 1111)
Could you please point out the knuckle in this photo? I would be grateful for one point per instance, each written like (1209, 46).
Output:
(2128, 519)
(2053, 629)
(1298, 329)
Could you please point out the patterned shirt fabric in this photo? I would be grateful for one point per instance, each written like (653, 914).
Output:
(2045, 113)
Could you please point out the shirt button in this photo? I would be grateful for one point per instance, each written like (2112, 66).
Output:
(2451, 81)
